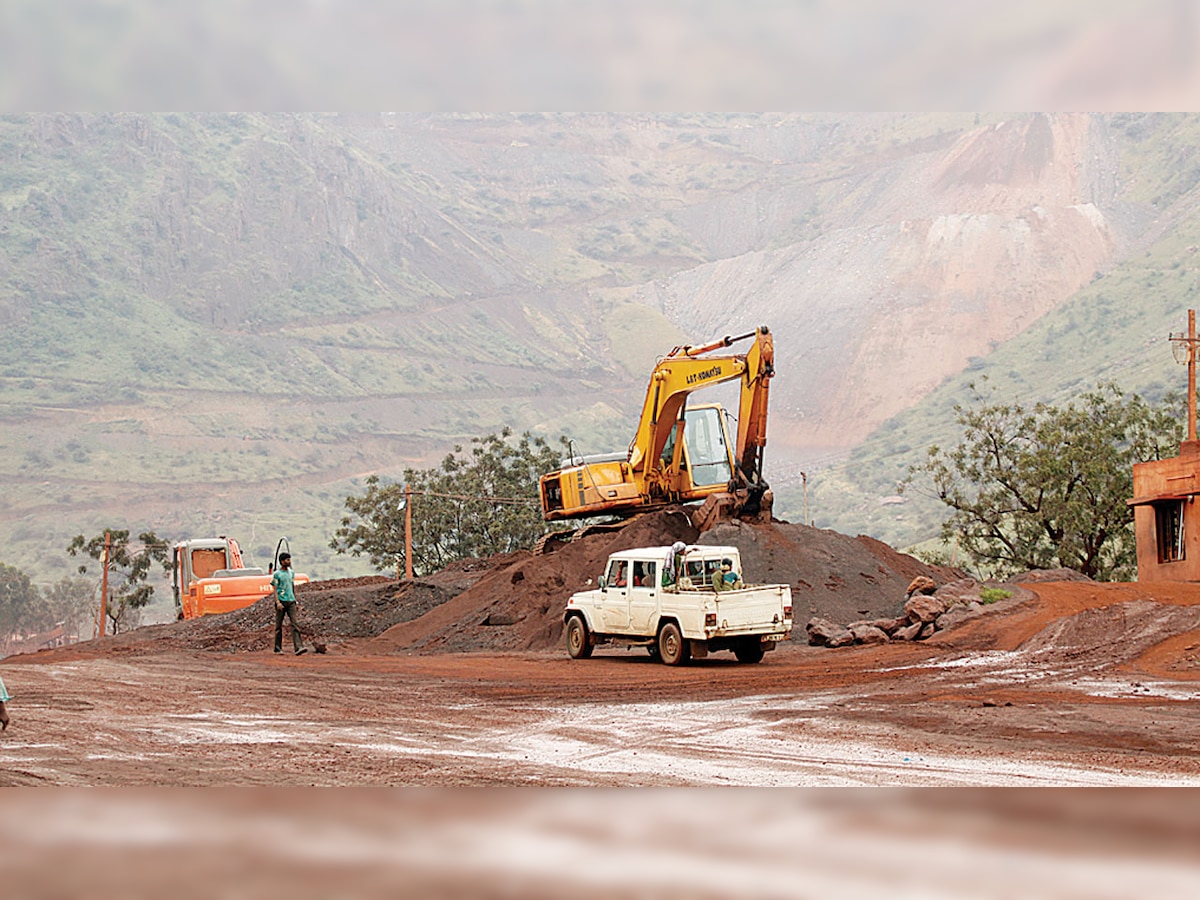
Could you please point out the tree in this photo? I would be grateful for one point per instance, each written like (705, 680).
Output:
(128, 569)
(1046, 488)
(471, 505)
(72, 601)
(22, 610)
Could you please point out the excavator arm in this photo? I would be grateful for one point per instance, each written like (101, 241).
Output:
(752, 408)
(688, 369)
(656, 470)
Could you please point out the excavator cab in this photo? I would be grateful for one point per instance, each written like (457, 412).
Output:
(601, 485)
(210, 577)
(198, 559)
(706, 445)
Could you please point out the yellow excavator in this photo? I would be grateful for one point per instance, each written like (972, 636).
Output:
(681, 453)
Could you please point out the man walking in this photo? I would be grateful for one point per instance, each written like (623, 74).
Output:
(285, 603)
(4, 698)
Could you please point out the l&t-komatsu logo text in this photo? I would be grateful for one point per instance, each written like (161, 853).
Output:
(696, 377)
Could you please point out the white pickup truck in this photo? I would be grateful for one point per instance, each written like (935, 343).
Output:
(684, 618)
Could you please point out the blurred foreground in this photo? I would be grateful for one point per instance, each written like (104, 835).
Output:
(603, 843)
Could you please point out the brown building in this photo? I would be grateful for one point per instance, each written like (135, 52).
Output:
(1166, 517)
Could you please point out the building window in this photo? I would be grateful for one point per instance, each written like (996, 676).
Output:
(1168, 521)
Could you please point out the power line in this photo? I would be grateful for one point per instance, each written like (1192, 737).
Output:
(477, 497)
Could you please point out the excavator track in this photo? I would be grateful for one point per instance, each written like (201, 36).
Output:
(553, 540)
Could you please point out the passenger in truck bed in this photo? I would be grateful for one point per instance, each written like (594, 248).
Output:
(727, 579)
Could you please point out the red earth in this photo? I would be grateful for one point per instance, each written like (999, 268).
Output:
(460, 679)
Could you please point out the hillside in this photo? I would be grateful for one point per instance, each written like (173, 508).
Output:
(1112, 330)
(220, 323)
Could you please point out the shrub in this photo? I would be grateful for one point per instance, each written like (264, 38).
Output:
(992, 595)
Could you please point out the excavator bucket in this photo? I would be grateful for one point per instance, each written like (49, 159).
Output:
(743, 504)
(716, 508)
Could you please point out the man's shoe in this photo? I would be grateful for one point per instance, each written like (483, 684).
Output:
(278, 650)
(301, 650)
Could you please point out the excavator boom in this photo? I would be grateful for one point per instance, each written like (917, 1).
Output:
(680, 453)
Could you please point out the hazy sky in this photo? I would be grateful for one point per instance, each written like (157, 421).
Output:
(598, 54)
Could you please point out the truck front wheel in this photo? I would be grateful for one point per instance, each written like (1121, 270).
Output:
(672, 648)
(579, 642)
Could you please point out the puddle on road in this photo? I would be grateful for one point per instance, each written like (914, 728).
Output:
(1124, 689)
(768, 741)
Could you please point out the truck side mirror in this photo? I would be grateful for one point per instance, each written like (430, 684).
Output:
(603, 583)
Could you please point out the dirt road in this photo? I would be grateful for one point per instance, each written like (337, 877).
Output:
(1084, 684)
(901, 715)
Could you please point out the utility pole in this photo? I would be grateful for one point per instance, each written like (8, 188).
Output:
(104, 584)
(1184, 349)
(408, 531)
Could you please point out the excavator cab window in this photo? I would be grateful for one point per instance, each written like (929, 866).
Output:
(707, 447)
(205, 562)
(668, 453)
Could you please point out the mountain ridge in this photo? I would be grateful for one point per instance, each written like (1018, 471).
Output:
(259, 309)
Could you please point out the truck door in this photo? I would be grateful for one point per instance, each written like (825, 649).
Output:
(643, 597)
(614, 613)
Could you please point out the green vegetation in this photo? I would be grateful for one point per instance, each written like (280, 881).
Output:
(471, 505)
(991, 595)
(1045, 487)
(20, 609)
(129, 569)
(25, 610)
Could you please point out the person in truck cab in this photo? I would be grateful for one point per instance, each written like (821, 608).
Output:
(621, 579)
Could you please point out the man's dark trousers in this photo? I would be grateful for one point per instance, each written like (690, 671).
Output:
(289, 610)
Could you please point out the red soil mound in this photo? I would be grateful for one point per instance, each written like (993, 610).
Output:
(515, 602)
(1151, 628)
(833, 576)
(519, 606)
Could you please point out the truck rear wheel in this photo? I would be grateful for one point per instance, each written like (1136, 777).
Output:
(749, 652)
(579, 642)
(673, 650)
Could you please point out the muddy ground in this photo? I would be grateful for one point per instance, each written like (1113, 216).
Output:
(891, 715)
(460, 679)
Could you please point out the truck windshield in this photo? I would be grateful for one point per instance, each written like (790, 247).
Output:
(708, 450)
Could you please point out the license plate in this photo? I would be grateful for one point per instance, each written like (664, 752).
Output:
(773, 637)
